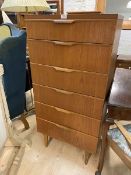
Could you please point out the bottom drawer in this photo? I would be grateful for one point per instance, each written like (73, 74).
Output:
(68, 119)
(71, 136)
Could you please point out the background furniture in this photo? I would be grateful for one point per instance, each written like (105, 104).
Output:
(120, 101)
(4, 32)
(119, 139)
(28, 75)
(83, 15)
(119, 108)
(58, 5)
(124, 61)
(12, 140)
(13, 58)
(6, 159)
(68, 61)
(24, 6)
(52, 11)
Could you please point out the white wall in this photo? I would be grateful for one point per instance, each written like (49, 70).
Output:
(113, 6)
(125, 43)
(3, 134)
(79, 5)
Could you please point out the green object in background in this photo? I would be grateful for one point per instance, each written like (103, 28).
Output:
(4, 32)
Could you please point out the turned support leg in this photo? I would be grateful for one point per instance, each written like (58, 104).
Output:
(86, 157)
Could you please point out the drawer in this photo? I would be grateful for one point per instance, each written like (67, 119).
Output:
(74, 102)
(71, 136)
(86, 30)
(78, 56)
(70, 80)
(68, 119)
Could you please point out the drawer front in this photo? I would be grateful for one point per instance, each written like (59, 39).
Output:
(70, 80)
(92, 31)
(68, 119)
(85, 57)
(77, 103)
(71, 136)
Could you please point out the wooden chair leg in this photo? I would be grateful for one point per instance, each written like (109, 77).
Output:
(86, 157)
(24, 121)
(46, 139)
(103, 148)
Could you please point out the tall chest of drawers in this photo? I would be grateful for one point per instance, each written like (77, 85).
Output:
(72, 63)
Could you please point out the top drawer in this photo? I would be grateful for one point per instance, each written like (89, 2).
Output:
(91, 30)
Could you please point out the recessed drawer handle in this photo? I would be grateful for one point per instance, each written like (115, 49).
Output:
(63, 69)
(64, 92)
(63, 21)
(64, 43)
(62, 110)
(63, 127)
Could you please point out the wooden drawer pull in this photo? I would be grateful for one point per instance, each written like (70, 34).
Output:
(62, 110)
(63, 21)
(64, 43)
(64, 92)
(63, 127)
(63, 69)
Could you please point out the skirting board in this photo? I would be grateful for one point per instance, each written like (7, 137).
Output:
(11, 158)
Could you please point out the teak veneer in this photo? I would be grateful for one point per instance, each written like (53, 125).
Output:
(73, 63)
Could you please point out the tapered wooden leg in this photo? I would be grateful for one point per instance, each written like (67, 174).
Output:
(103, 148)
(46, 140)
(86, 157)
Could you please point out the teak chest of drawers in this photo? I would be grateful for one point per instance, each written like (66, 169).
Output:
(73, 63)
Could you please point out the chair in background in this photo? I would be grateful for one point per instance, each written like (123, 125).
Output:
(13, 59)
(120, 141)
(119, 108)
(13, 141)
